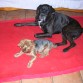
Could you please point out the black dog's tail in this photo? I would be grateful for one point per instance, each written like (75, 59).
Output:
(82, 30)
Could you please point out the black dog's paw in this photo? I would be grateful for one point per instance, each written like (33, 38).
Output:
(58, 44)
(36, 35)
(65, 50)
(18, 24)
(61, 43)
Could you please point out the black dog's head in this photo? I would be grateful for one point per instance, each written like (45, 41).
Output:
(43, 11)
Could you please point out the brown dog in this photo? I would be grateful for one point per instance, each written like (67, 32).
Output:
(31, 48)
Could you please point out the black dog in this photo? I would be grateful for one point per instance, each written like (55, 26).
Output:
(52, 22)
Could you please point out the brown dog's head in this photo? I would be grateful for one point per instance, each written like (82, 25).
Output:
(26, 45)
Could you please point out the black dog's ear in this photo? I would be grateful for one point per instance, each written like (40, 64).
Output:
(37, 13)
(52, 9)
(38, 8)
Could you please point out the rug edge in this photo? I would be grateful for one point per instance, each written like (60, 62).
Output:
(9, 79)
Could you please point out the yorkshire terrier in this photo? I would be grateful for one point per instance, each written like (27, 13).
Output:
(34, 47)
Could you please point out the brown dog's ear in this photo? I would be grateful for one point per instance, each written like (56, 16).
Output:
(20, 44)
(28, 42)
(23, 42)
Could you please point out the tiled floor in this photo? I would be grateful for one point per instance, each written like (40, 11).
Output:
(76, 77)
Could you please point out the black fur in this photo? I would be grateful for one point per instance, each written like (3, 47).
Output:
(52, 22)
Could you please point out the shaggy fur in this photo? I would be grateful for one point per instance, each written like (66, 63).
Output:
(32, 48)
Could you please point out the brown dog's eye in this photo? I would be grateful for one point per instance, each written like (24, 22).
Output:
(24, 50)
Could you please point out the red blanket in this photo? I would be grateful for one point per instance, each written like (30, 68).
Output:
(56, 63)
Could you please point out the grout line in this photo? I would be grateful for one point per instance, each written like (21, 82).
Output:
(25, 13)
(81, 76)
(20, 81)
(6, 15)
(52, 79)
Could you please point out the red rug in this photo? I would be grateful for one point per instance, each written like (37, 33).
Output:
(56, 63)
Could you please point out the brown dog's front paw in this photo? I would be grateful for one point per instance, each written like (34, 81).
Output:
(29, 65)
(42, 56)
(17, 55)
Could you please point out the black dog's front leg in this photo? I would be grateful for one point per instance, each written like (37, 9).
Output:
(43, 35)
(26, 24)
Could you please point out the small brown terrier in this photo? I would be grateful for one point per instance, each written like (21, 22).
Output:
(32, 48)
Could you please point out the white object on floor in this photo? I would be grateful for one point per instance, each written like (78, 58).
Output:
(33, 4)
